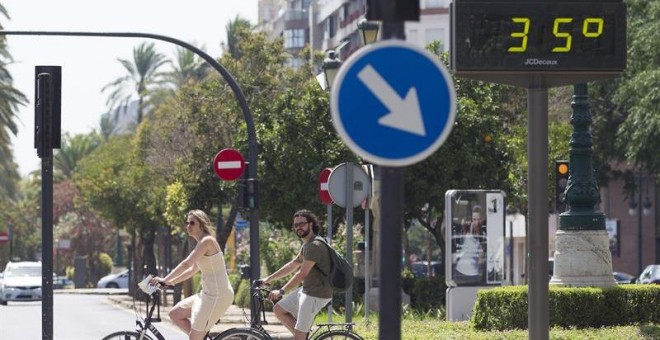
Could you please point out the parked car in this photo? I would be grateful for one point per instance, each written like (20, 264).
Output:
(118, 280)
(651, 274)
(21, 281)
(420, 269)
(624, 278)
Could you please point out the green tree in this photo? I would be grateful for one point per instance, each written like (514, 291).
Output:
(107, 127)
(236, 29)
(10, 99)
(639, 136)
(114, 180)
(141, 80)
(188, 67)
(74, 148)
(626, 110)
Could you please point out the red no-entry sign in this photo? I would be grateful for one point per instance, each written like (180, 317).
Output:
(4, 237)
(229, 164)
(324, 194)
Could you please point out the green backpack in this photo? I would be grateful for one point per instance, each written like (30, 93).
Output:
(340, 276)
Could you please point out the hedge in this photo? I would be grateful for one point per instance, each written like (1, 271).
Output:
(506, 307)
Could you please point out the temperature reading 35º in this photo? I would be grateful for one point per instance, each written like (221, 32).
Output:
(538, 35)
(591, 28)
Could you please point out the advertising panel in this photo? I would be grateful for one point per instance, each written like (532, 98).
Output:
(474, 237)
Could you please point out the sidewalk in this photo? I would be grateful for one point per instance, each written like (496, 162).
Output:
(234, 317)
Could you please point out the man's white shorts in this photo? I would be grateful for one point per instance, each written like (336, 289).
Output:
(303, 307)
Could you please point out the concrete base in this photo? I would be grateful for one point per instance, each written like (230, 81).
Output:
(460, 301)
(582, 259)
(373, 299)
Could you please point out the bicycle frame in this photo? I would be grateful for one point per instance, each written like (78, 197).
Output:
(148, 321)
(258, 317)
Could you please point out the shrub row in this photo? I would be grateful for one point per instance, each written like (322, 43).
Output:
(506, 307)
(425, 293)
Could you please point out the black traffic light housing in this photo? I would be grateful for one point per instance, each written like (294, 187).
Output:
(248, 190)
(562, 171)
(393, 10)
(47, 109)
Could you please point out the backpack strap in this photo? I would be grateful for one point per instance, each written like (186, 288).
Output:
(322, 240)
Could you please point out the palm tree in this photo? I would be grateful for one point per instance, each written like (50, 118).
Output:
(107, 127)
(10, 99)
(65, 160)
(189, 66)
(141, 80)
(234, 28)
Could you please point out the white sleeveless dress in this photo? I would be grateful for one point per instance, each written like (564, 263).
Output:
(215, 297)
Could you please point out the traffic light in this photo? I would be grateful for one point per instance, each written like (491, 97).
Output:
(47, 109)
(248, 190)
(561, 181)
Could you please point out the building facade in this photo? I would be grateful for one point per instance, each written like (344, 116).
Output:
(332, 25)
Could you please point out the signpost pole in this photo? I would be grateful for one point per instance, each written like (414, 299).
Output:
(348, 298)
(389, 295)
(328, 213)
(537, 151)
(367, 258)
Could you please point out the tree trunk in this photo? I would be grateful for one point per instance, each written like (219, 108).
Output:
(223, 236)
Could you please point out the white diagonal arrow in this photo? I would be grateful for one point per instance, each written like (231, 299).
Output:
(405, 113)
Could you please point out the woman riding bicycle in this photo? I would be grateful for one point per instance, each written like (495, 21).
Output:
(196, 314)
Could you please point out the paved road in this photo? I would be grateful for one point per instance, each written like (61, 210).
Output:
(76, 317)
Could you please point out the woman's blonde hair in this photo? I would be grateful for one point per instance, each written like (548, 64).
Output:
(204, 221)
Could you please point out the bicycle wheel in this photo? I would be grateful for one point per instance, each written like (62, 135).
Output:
(242, 334)
(125, 335)
(338, 334)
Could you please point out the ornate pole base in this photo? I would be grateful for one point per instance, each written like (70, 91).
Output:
(582, 259)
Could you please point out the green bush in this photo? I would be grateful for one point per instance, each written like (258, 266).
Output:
(234, 280)
(69, 271)
(505, 308)
(105, 264)
(339, 297)
(426, 293)
(279, 247)
(242, 294)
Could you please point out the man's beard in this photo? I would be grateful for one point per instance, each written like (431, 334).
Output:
(303, 233)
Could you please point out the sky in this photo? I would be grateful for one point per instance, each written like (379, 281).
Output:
(90, 63)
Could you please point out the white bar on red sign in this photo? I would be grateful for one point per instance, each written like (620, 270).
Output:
(229, 165)
(324, 186)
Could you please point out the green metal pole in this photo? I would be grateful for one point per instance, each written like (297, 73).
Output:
(581, 194)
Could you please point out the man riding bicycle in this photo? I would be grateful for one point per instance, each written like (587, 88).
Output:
(298, 309)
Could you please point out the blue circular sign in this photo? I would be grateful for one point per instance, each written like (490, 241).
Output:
(393, 103)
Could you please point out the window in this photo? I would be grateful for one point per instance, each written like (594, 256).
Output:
(330, 28)
(294, 38)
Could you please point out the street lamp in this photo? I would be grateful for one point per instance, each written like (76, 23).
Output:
(640, 209)
(368, 30)
(369, 34)
(331, 65)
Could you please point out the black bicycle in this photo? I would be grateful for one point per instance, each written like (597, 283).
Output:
(145, 325)
(256, 330)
